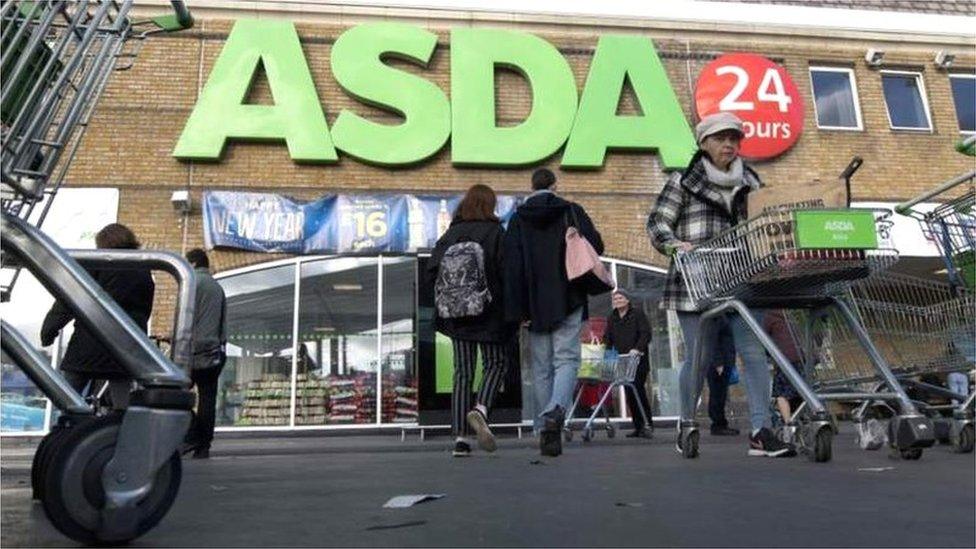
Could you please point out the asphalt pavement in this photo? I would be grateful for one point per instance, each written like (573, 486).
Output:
(330, 491)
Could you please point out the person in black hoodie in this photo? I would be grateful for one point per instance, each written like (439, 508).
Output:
(474, 221)
(537, 291)
(86, 361)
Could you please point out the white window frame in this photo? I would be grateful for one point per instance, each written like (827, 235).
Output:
(857, 100)
(920, 82)
(967, 76)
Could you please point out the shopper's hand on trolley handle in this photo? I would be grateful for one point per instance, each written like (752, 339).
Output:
(680, 246)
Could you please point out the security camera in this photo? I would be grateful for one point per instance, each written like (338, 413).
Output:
(180, 201)
(874, 57)
(944, 59)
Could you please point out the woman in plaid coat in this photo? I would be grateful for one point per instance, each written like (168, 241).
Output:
(694, 206)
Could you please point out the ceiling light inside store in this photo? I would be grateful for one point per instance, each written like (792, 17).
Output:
(324, 329)
(347, 287)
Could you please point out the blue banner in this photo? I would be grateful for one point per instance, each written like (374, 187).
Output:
(332, 224)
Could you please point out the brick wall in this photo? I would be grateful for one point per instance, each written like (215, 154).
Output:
(142, 113)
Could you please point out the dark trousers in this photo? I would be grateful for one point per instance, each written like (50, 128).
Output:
(116, 394)
(495, 358)
(202, 429)
(718, 395)
(640, 383)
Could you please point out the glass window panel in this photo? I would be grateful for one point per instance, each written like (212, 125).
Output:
(22, 404)
(399, 342)
(646, 288)
(255, 386)
(834, 96)
(903, 98)
(964, 96)
(337, 337)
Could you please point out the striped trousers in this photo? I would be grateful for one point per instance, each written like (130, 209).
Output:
(495, 359)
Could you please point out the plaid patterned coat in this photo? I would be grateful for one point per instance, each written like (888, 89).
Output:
(690, 209)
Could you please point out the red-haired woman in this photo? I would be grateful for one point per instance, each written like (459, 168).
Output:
(466, 265)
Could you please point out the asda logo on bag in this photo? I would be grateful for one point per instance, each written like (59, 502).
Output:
(584, 124)
(839, 226)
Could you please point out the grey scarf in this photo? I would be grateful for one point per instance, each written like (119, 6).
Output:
(726, 183)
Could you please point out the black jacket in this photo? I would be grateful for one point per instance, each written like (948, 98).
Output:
(133, 291)
(490, 326)
(632, 331)
(536, 287)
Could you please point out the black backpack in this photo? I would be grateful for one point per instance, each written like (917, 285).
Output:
(461, 289)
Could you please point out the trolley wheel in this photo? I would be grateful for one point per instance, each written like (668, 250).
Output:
(73, 495)
(689, 443)
(568, 434)
(910, 454)
(42, 458)
(611, 430)
(964, 444)
(822, 450)
(587, 434)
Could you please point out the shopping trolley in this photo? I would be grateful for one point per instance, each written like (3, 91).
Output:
(921, 327)
(101, 478)
(615, 370)
(800, 260)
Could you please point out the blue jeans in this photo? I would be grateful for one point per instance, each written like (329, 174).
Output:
(959, 384)
(754, 369)
(555, 359)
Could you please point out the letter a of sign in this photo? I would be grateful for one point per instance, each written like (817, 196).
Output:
(220, 113)
(598, 127)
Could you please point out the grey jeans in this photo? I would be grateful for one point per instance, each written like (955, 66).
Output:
(555, 359)
(754, 369)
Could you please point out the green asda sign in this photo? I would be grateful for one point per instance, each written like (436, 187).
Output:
(585, 125)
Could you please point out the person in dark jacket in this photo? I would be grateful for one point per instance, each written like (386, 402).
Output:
(628, 330)
(537, 291)
(209, 352)
(475, 221)
(85, 360)
(719, 375)
(695, 205)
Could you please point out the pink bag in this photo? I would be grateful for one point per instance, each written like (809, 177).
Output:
(583, 265)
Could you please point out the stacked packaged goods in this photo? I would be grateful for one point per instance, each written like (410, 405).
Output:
(406, 403)
(311, 402)
(267, 401)
(365, 400)
(342, 400)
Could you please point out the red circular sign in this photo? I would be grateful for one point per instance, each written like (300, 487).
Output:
(759, 92)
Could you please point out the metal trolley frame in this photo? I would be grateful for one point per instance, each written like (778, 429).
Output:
(58, 55)
(767, 262)
(921, 327)
(615, 370)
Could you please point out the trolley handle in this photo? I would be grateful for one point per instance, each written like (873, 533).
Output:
(848, 172)
(180, 19)
(905, 208)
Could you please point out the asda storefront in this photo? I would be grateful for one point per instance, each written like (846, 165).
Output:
(333, 341)
(319, 152)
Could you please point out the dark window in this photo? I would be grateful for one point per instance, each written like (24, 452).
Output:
(964, 96)
(835, 98)
(905, 100)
